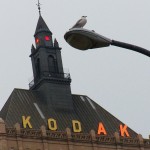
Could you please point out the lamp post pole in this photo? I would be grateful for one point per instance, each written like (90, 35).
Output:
(84, 39)
(131, 47)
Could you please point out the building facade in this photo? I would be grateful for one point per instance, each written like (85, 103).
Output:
(48, 116)
(42, 139)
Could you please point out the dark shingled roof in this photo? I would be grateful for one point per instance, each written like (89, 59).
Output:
(41, 26)
(22, 103)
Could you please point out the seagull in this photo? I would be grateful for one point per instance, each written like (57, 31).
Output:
(80, 23)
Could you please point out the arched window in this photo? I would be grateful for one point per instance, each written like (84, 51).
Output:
(52, 64)
(38, 70)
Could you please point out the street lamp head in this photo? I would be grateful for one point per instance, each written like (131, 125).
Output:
(84, 39)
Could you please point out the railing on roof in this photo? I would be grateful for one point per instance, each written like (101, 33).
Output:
(105, 139)
(56, 135)
(129, 141)
(50, 75)
(83, 137)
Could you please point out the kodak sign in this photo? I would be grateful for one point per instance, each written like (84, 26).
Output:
(76, 126)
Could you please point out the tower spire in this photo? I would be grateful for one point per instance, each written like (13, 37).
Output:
(39, 7)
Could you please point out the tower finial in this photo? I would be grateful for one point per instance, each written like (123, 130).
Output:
(39, 8)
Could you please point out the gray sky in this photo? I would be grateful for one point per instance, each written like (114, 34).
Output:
(117, 79)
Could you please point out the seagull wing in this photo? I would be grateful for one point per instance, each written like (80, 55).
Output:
(77, 23)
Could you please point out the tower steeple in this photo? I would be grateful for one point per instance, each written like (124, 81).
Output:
(41, 26)
(43, 36)
(48, 72)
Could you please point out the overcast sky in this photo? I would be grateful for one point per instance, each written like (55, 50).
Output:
(115, 78)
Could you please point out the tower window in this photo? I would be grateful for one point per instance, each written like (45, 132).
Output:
(47, 38)
(37, 40)
(38, 69)
(52, 64)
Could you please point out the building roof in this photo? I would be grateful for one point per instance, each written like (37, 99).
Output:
(30, 103)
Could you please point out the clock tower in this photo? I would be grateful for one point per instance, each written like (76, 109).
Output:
(49, 77)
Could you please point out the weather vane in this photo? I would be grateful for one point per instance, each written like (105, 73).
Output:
(39, 8)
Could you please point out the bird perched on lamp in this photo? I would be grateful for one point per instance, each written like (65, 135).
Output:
(80, 23)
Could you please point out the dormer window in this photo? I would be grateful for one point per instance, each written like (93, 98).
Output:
(47, 38)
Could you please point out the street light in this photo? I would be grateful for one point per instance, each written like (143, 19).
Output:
(84, 39)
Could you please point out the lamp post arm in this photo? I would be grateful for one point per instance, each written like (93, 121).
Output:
(131, 47)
